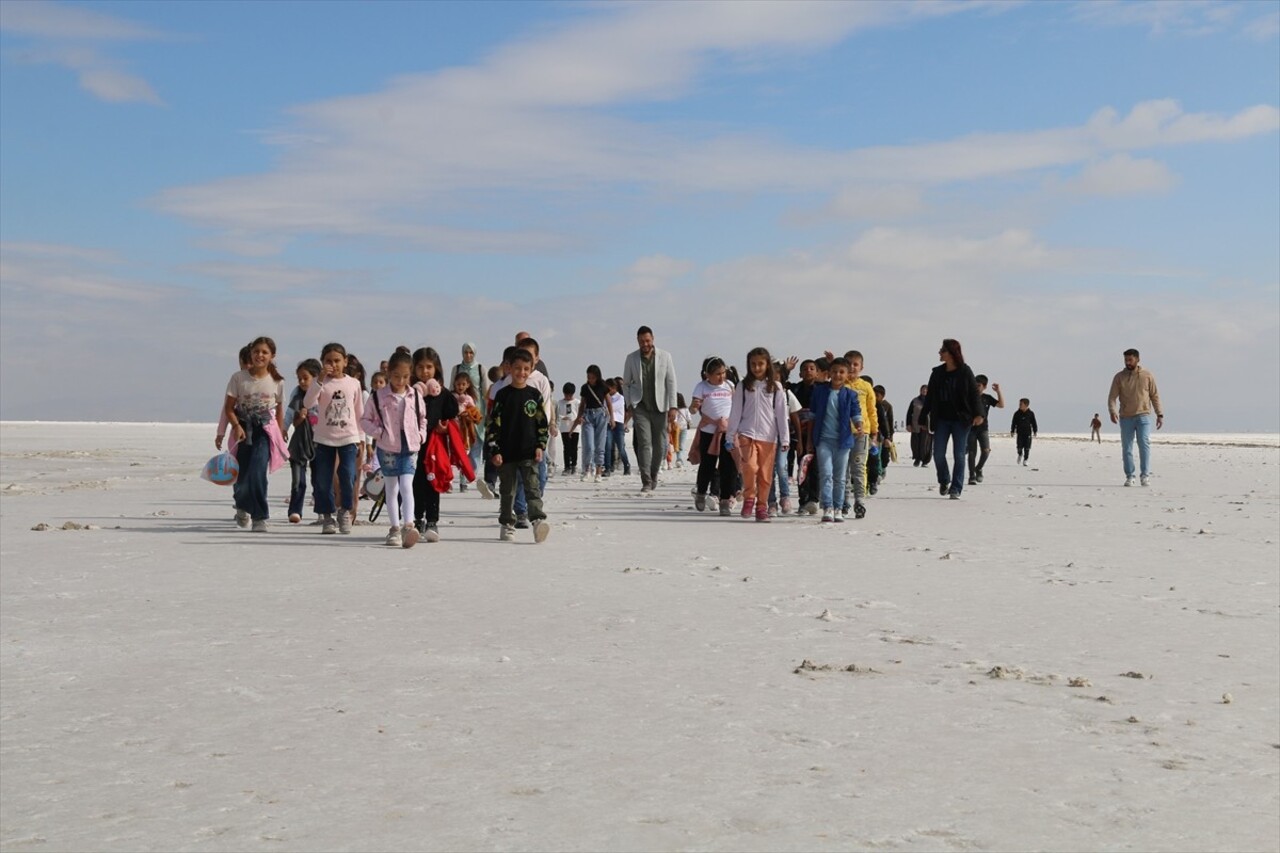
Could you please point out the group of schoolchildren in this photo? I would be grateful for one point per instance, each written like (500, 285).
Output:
(833, 425)
(417, 433)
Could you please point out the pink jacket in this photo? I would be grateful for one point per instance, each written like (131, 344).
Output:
(759, 414)
(379, 421)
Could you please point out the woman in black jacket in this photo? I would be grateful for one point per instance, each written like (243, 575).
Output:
(952, 405)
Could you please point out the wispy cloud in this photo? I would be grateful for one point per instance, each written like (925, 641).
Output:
(67, 275)
(1121, 175)
(406, 163)
(1165, 17)
(65, 36)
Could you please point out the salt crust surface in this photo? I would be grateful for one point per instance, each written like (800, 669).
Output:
(649, 678)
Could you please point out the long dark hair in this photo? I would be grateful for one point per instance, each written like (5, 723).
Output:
(952, 346)
(271, 365)
(749, 381)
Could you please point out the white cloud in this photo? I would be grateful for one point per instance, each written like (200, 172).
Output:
(1162, 17)
(875, 203)
(62, 35)
(1264, 28)
(652, 274)
(1121, 175)
(67, 275)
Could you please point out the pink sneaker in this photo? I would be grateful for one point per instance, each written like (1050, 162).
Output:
(749, 507)
(762, 513)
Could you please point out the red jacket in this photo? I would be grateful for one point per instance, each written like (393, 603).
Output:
(441, 455)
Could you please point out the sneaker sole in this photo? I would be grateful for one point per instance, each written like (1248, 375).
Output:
(540, 531)
(483, 488)
(431, 536)
(409, 538)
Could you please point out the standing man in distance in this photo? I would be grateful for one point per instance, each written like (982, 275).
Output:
(1135, 388)
(649, 377)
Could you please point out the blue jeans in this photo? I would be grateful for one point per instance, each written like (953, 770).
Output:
(254, 458)
(780, 481)
(522, 505)
(327, 458)
(616, 437)
(595, 423)
(832, 461)
(298, 487)
(1140, 426)
(957, 432)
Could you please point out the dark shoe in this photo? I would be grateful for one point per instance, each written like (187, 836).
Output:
(859, 510)
(522, 522)
(942, 488)
(973, 481)
(700, 502)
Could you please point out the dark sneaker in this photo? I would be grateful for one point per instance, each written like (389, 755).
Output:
(859, 510)
(522, 522)
(942, 488)
(700, 502)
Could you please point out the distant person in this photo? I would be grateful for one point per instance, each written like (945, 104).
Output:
(1024, 427)
(396, 420)
(339, 397)
(980, 435)
(567, 421)
(837, 423)
(918, 426)
(538, 364)
(254, 406)
(517, 435)
(759, 428)
(594, 415)
(954, 407)
(649, 382)
(1095, 426)
(1135, 389)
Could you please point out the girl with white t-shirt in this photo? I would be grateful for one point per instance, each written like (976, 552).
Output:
(713, 401)
(254, 406)
(340, 399)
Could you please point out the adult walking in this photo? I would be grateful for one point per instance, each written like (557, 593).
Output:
(918, 426)
(1135, 389)
(952, 404)
(649, 377)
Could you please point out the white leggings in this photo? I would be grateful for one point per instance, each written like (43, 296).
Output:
(397, 489)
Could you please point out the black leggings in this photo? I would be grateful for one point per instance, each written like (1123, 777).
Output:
(711, 465)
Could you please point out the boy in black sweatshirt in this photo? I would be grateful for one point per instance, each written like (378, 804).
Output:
(516, 435)
(1024, 426)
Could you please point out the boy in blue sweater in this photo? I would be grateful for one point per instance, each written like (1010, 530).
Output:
(837, 419)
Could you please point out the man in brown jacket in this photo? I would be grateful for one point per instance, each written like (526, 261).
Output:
(1135, 389)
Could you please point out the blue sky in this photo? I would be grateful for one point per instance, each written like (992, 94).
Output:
(1050, 183)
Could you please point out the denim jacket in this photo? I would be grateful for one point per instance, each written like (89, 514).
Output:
(849, 412)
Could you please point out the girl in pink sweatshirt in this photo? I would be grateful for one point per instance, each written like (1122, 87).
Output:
(396, 420)
(758, 430)
(340, 399)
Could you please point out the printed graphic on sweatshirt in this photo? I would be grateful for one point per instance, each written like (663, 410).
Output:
(339, 413)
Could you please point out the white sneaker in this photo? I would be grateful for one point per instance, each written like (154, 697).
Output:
(507, 533)
(540, 530)
(344, 522)
(260, 525)
(1128, 481)
(597, 477)
(328, 525)
(483, 488)
(242, 518)
(394, 538)
(828, 516)
(1145, 480)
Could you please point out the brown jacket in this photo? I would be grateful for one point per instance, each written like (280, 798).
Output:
(1136, 391)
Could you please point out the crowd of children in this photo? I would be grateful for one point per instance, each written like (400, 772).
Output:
(832, 427)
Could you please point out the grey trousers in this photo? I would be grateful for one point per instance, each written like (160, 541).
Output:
(651, 442)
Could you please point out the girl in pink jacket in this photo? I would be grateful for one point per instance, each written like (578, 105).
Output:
(758, 430)
(396, 420)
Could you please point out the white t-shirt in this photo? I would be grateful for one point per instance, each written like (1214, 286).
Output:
(619, 405)
(793, 404)
(256, 397)
(717, 401)
(567, 413)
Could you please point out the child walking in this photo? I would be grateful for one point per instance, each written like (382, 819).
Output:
(339, 399)
(758, 428)
(713, 402)
(567, 421)
(469, 419)
(837, 423)
(397, 422)
(440, 409)
(254, 406)
(1024, 427)
(302, 440)
(516, 434)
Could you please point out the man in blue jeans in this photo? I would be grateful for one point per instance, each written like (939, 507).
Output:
(1135, 389)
